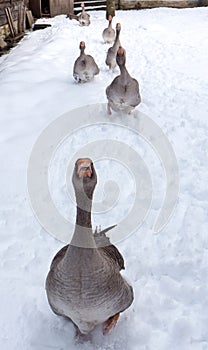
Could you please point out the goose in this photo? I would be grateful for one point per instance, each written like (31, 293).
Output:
(123, 93)
(111, 54)
(84, 282)
(83, 18)
(109, 32)
(85, 67)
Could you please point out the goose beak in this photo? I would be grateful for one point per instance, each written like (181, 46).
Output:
(118, 26)
(120, 51)
(84, 167)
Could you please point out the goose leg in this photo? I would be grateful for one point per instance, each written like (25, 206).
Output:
(109, 109)
(110, 323)
(82, 338)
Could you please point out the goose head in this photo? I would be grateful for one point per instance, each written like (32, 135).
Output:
(84, 180)
(110, 18)
(82, 46)
(118, 27)
(121, 57)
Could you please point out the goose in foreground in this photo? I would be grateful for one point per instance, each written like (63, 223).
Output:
(123, 93)
(83, 18)
(109, 32)
(84, 282)
(85, 67)
(112, 51)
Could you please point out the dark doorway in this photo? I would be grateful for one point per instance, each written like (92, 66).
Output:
(45, 7)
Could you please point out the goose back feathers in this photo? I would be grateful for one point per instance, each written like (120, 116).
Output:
(85, 67)
(109, 32)
(123, 93)
(83, 18)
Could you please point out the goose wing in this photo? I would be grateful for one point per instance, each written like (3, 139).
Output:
(133, 97)
(59, 256)
(108, 250)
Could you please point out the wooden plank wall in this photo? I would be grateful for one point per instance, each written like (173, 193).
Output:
(91, 5)
(139, 4)
(58, 7)
(14, 5)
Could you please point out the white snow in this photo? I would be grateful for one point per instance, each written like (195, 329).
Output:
(167, 51)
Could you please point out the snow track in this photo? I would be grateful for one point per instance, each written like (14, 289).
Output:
(167, 51)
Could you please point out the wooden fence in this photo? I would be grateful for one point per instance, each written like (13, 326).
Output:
(140, 4)
(91, 5)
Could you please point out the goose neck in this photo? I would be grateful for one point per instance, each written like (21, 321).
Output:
(117, 35)
(123, 70)
(82, 49)
(83, 235)
(83, 217)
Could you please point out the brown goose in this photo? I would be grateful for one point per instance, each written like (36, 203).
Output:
(83, 18)
(111, 54)
(84, 282)
(85, 67)
(109, 32)
(123, 93)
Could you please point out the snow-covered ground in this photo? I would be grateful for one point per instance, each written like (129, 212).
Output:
(167, 51)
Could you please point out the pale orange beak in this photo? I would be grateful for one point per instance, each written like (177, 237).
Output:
(84, 168)
(118, 26)
(120, 51)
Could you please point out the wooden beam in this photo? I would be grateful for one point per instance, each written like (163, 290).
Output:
(20, 18)
(24, 18)
(30, 19)
(10, 22)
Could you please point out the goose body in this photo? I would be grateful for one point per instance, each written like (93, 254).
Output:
(109, 32)
(84, 282)
(85, 67)
(112, 51)
(123, 93)
(83, 18)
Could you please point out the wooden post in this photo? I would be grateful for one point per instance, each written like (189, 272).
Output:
(20, 19)
(24, 18)
(10, 21)
(110, 8)
(29, 19)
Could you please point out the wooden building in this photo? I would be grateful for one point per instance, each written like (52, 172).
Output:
(12, 20)
(14, 5)
(50, 8)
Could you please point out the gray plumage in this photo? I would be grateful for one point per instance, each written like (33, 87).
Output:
(84, 282)
(112, 51)
(123, 93)
(85, 67)
(83, 18)
(109, 32)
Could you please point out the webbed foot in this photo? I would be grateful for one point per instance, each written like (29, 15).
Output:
(110, 323)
